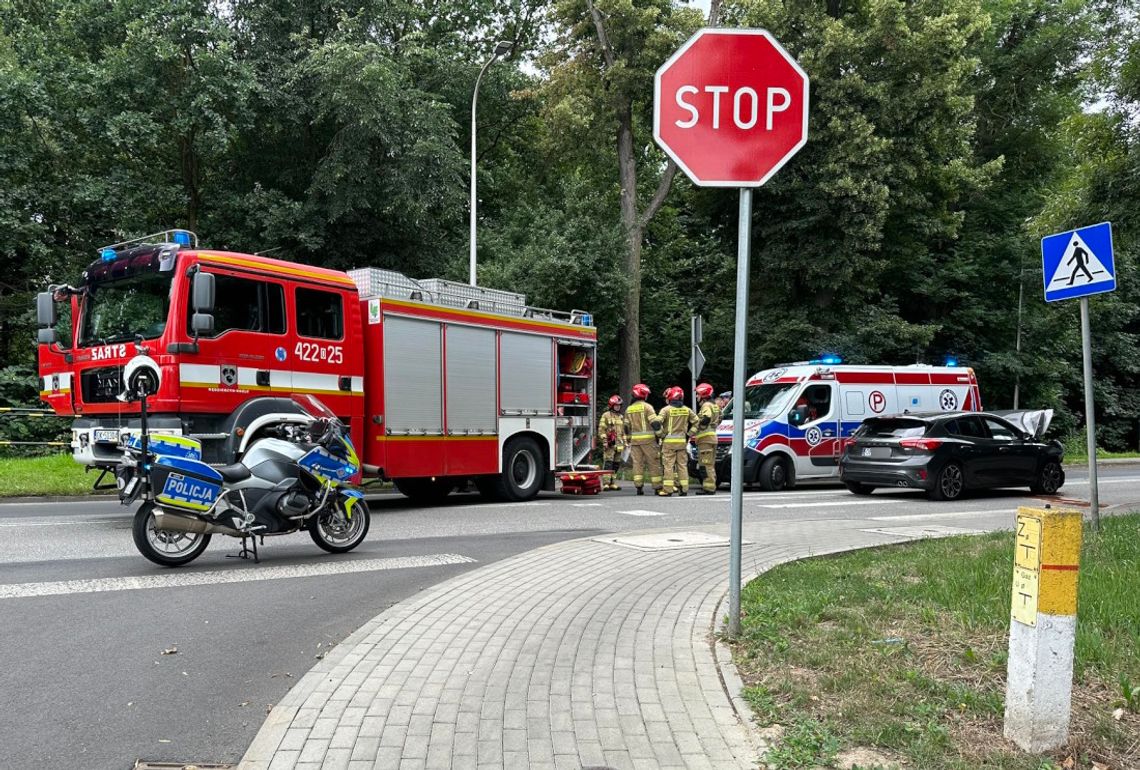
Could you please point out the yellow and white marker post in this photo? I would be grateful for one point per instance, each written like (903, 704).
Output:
(1043, 628)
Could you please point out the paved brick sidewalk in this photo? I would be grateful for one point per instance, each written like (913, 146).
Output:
(576, 655)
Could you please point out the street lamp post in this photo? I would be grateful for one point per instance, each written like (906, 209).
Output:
(500, 49)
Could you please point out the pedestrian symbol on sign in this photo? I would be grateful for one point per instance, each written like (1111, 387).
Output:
(1078, 266)
(1078, 263)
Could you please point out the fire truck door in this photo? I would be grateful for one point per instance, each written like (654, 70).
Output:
(325, 360)
(247, 353)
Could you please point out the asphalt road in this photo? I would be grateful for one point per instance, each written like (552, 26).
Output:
(84, 619)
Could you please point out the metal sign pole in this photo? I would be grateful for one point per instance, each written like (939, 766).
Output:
(743, 238)
(693, 359)
(1090, 417)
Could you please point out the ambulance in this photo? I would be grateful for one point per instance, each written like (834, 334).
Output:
(798, 418)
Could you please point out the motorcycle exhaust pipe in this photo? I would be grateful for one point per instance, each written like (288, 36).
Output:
(177, 523)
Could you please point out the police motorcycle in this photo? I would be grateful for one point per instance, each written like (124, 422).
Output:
(283, 484)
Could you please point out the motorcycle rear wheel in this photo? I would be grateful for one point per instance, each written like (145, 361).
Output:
(166, 547)
(332, 531)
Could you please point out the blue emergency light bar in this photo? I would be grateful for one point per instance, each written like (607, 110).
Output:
(951, 361)
(830, 358)
(183, 238)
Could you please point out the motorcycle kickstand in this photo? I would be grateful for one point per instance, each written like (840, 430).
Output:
(245, 551)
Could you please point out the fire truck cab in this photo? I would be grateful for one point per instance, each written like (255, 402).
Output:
(438, 382)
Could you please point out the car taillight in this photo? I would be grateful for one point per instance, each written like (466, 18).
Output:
(924, 444)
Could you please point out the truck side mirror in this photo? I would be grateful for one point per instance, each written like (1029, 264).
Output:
(202, 323)
(45, 311)
(46, 336)
(202, 293)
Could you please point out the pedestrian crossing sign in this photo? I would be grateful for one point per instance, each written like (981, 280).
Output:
(1078, 263)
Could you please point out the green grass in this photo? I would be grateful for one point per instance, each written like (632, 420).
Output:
(902, 650)
(49, 475)
(1076, 451)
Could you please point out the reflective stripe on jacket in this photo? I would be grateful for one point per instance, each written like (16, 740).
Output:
(678, 423)
(638, 416)
(712, 412)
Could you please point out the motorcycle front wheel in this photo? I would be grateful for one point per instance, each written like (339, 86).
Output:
(169, 548)
(333, 531)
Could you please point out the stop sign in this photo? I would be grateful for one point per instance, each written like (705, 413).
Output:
(730, 107)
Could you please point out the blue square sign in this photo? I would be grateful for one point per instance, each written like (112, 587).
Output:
(1078, 263)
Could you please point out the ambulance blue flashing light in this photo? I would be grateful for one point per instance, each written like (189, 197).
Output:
(951, 361)
(181, 237)
(107, 255)
(830, 358)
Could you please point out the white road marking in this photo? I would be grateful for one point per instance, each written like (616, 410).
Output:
(639, 512)
(1099, 481)
(217, 577)
(37, 523)
(588, 505)
(949, 515)
(833, 505)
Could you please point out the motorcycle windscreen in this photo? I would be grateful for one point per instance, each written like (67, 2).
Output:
(313, 405)
(326, 466)
(186, 484)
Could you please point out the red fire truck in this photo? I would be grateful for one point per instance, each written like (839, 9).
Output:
(439, 382)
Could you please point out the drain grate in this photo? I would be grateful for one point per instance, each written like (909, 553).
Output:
(667, 541)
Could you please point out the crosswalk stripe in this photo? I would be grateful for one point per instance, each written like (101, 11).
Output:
(236, 575)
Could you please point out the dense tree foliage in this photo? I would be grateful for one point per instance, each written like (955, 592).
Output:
(946, 137)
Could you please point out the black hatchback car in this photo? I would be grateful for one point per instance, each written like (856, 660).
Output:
(947, 453)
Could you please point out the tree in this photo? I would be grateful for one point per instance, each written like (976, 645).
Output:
(611, 50)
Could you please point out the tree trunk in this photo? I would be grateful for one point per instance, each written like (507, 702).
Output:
(629, 338)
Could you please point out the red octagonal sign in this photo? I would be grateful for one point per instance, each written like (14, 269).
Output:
(731, 107)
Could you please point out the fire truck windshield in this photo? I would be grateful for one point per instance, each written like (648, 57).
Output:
(125, 309)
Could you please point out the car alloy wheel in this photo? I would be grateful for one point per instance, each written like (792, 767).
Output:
(951, 483)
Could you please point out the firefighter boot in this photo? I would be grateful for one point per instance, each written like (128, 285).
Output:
(640, 491)
(613, 477)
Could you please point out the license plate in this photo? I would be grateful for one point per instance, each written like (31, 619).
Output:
(107, 437)
(867, 451)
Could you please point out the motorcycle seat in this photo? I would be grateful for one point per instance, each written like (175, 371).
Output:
(234, 473)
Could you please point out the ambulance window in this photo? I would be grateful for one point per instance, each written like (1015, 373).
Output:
(855, 403)
(319, 314)
(242, 304)
(817, 399)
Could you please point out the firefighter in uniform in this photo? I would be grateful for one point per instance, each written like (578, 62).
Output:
(639, 417)
(613, 428)
(676, 423)
(708, 418)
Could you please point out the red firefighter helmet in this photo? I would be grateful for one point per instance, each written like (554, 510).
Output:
(704, 390)
(615, 400)
(641, 390)
(675, 393)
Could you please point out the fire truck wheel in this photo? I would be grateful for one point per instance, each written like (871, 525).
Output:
(166, 547)
(523, 469)
(774, 474)
(425, 490)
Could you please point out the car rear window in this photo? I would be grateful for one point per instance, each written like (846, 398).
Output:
(892, 428)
